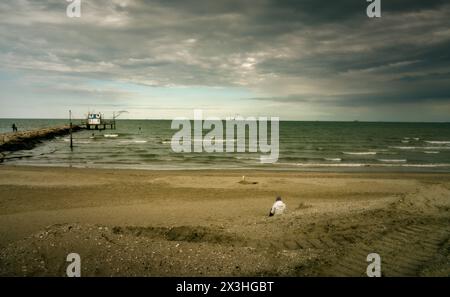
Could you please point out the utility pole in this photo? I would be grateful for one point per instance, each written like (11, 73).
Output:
(70, 130)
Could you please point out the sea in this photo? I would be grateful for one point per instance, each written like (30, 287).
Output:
(303, 146)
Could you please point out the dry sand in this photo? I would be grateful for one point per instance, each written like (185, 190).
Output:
(186, 223)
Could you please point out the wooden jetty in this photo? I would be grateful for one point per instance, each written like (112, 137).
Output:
(25, 140)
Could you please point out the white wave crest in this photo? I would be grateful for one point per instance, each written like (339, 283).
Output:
(438, 142)
(392, 160)
(333, 159)
(359, 153)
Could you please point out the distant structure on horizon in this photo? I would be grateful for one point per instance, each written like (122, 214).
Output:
(95, 121)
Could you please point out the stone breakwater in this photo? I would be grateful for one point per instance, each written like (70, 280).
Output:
(25, 140)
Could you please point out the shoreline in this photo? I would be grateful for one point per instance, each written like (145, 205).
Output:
(367, 168)
(194, 223)
(218, 170)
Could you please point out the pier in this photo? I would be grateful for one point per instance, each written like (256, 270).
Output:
(96, 121)
(25, 140)
(105, 124)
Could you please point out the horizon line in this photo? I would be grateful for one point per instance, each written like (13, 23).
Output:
(287, 120)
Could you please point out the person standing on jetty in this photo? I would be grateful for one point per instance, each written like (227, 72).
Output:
(14, 127)
(278, 207)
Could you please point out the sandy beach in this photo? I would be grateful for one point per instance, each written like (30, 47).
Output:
(186, 223)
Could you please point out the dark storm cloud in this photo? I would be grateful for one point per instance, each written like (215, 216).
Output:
(408, 96)
(274, 11)
(290, 51)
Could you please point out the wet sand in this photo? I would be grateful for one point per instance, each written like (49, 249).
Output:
(186, 223)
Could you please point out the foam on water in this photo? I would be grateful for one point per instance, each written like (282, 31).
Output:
(333, 159)
(303, 145)
(133, 141)
(392, 160)
(404, 147)
(438, 142)
(359, 153)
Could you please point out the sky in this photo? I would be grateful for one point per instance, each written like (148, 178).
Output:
(295, 59)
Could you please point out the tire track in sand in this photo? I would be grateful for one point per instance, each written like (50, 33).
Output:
(411, 236)
(404, 251)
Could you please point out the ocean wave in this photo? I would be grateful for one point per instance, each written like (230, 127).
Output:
(330, 165)
(421, 147)
(333, 159)
(133, 141)
(359, 153)
(246, 158)
(110, 135)
(431, 152)
(405, 147)
(426, 165)
(392, 160)
(438, 142)
(389, 153)
(430, 148)
(366, 165)
(75, 141)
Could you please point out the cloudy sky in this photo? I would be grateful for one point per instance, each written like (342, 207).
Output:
(299, 60)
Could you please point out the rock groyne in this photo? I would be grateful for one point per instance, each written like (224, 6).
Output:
(25, 140)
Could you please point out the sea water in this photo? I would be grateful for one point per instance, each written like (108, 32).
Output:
(322, 146)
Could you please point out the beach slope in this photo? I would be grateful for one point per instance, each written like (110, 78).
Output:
(186, 223)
